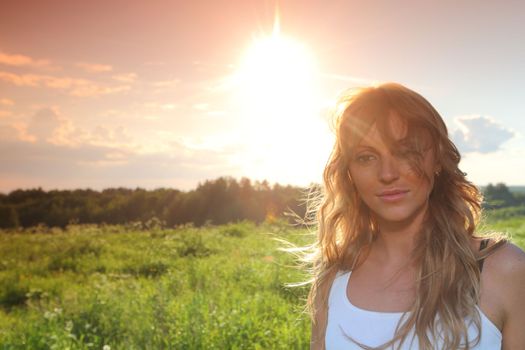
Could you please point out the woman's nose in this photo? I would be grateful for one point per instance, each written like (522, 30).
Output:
(389, 169)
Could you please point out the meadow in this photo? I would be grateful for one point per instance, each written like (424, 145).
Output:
(130, 287)
(119, 287)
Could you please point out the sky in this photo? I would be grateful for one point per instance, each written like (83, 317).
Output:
(98, 94)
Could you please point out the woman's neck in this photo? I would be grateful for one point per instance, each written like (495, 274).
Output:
(396, 240)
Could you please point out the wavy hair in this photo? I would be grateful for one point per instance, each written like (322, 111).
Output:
(448, 277)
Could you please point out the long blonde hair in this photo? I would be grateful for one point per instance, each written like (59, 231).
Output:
(448, 277)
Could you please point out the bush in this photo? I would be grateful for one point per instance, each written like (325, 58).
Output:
(239, 229)
(13, 293)
(192, 244)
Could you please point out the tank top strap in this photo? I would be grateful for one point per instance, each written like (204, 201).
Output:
(482, 245)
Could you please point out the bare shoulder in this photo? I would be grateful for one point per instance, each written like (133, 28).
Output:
(507, 261)
(505, 268)
(504, 279)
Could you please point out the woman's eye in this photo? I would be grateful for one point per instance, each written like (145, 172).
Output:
(365, 158)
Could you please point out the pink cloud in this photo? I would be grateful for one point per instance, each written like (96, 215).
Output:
(94, 67)
(17, 131)
(6, 102)
(95, 90)
(21, 60)
(20, 80)
(5, 114)
(125, 78)
(167, 83)
(74, 86)
(48, 125)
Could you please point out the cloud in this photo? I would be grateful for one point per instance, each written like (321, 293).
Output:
(160, 106)
(20, 79)
(15, 132)
(21, 61)
(47, 125)
(86, 164)
(112, 112)
(94, 67)
(111, 137)
(73, 86)
(125, 78)
(5, 114)
(481, 134)
(43, 124)
(50, 126)
(51, 151)
(6, 102)
(165, 85)
(93, 89)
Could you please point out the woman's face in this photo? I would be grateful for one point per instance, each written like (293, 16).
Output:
(387, 181)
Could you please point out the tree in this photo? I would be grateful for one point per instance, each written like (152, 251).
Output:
(498, 196)
(9, 217)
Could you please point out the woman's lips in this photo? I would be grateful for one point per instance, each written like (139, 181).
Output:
(392, 195)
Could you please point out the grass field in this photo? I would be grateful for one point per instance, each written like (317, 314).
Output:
(188, 288)
(117, 287)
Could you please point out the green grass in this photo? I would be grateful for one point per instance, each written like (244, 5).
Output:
(514, 227)
(187, 288)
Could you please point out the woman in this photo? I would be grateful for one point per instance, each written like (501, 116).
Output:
(397, 263)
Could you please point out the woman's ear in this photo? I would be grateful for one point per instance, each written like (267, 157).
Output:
(437, 170)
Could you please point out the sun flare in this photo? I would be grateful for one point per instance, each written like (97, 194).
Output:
(278, 94)
(275, 74)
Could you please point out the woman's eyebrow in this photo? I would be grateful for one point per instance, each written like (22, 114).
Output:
(365, 147)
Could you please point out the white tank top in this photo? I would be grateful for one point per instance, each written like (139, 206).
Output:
(373, 328)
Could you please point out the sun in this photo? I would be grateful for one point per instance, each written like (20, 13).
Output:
(276, 82)
(277, 69)
(275, 74)
(277, 90)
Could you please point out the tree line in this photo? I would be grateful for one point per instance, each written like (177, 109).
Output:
(500, 196)
(216, 201)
